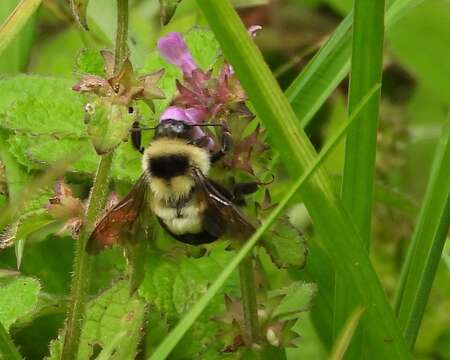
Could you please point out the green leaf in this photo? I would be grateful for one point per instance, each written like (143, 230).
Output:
(16, 21)
(286, 245)
(18, 297)
(427, 244)
(19, 49)
(348, 330)
(331, 64)
(295, 298)
(43, 87)
(360, 147)
(25, 225)
(112, 312)
(90, 61)
(59, 115)
(7, 348)
(173, 287)
(37, 152)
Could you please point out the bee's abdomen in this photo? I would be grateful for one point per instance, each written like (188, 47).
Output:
(168, 166)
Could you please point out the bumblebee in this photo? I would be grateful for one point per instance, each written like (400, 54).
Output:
(175, 188)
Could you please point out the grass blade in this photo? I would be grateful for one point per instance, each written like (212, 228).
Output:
(346, 336)
(7, 348)
(16, 21)
(170, 341)
(338, 234)
(360, 149)
(427, 244)
(330, 66)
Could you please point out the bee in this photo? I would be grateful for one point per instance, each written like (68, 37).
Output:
(175, 188)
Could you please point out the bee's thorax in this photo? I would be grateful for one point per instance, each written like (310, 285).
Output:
(169, 163)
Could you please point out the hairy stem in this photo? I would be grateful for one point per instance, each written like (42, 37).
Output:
(249, 303)
(121, 52)
(99, 191)
(83, 262)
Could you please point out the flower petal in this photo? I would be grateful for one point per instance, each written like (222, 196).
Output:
(173, 48)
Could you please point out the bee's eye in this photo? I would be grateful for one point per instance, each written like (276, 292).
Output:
(89, 108)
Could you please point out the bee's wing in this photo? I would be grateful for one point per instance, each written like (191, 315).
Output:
(221, 213)
(122, 220)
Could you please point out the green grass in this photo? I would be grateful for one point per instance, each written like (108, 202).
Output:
(360, 148)
(428, 241)
(16, 21)
(312, 87)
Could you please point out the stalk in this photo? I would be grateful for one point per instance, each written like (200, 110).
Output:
(121, 52)
(249, 302)
(99, 191)
(83, 262)
(7, 348)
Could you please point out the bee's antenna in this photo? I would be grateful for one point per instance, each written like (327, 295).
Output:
(208, 124)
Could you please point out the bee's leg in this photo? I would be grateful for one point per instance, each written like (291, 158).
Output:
(136, 137)
(240, 190)
(226, 142)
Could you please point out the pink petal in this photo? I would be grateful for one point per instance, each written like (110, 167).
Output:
(253, 30)
(173, 48)
(175, 113)
(196, 115)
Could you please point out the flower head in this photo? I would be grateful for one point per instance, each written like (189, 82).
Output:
(173, 48)
(123, 87)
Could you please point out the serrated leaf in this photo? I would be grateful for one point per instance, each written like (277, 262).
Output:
(18, 297)
(25, 225)
(59, 115)
(17, 87)
(90, 61)
(110, 313)
(37, 152)
(172, 287)
(286, 245)
(295, 298)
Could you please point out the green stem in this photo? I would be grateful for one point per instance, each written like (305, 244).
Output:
(7, 348)
(99, 191)
(249, 302)
(121, 35)
(82, 265)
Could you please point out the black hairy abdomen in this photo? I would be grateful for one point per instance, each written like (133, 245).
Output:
(169, 166)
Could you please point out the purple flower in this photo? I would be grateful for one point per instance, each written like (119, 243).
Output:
(173, 48)
(190, 116)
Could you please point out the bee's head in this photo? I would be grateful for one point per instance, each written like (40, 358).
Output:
(173, 129)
